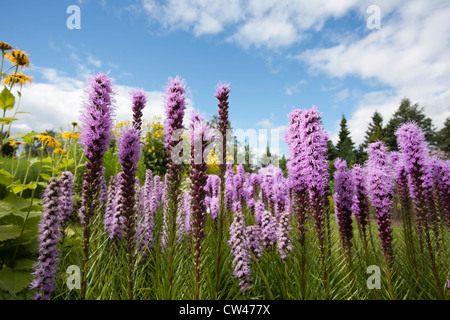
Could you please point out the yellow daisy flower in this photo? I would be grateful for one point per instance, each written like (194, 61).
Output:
(17, 57)
(49, 141)
(18, 78)
(59, 151)
(5, 47)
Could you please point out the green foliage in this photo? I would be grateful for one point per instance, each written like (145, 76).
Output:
(7, 100)
(443, 137)
(345, 145)
(408, 112)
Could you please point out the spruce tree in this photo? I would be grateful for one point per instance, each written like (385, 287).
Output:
(345, 146)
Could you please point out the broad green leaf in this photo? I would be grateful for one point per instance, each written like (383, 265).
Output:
(5, 209)
(21, 206)
(24, 264)
(29, 137)
(5, 177)
(47, 160)
(7, 99)
(9, 231)
(16, 280)
(67, 162)
(7, 121)
(46, 176)
(16, 188)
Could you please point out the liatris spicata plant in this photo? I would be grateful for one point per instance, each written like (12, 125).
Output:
(129, 152)
(229, 186)
(360, 205)
(381, 192)
(411, 142)
(46, 267)
(66, 198)
(441, 174)
(139, 101)
(239, 249)
(401, 179)
(269, 230)
(175, 107)
(259, 211)
(254, 240)
(200, 139)
(295, 166)
(343, 196)
(222, 94)
(110, 204)
(315, 170)
(97, 123)
(284, 228)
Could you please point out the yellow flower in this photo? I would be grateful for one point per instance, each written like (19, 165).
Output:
(70, 135)
(18, 78)
(17, 57)
(5, 47)
(49, 141)
(59, 151)
(14, 143)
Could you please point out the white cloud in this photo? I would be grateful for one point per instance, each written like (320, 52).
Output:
(342, 95)
(259, 23)
(56, 102)
(410, 54)
(95, 62)
(295, 88)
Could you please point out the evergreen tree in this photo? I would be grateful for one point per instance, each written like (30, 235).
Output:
(331, 152)
(345, 146)
(443, 137)
(407, 113)
(283, 165)
(375, 130)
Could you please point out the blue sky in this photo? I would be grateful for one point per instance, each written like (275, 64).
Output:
(277, 55)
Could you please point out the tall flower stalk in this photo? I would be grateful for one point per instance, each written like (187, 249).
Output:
(381, 192)
(411, 142)
(343, 196)
(175, 107)
(129, 152)
(360, 203)
(46, 267)
(315, 169)
(222, 95)
(240, 251)
(200, 139)
(95, 136)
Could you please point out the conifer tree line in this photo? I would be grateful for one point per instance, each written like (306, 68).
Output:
(381, 130)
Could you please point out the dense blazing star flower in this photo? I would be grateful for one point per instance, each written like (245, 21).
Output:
(214, 207)
(381, 192)
(95, 136)
(96, 118)
(254, 240)
(129, 152)
(139, 101)
(239, 179)
(401, 179)
(360, 205)
(343, 195)
(239, 249)
(144, 233)
(229, 185)
(222, 95)
(284, 228)
(269, 230)
(66, 198)
(46, 268)
(110, 206)
(280, 193)
(411, 142)
(441, 175)
(259, 211)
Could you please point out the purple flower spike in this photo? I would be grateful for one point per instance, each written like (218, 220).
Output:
(46, 267)
(239, 249)
(343, 196)
(269, 230)
(139, 101)
(360, 205)
(284, 242)
(254, 240)
(381, 192)
(222, 95)
(66, 200)
(441, 174)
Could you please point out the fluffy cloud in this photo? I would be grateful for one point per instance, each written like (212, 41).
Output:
(55, 102)
(410, 54)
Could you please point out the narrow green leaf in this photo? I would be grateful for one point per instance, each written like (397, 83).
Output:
(7, 121)
(46, 176)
